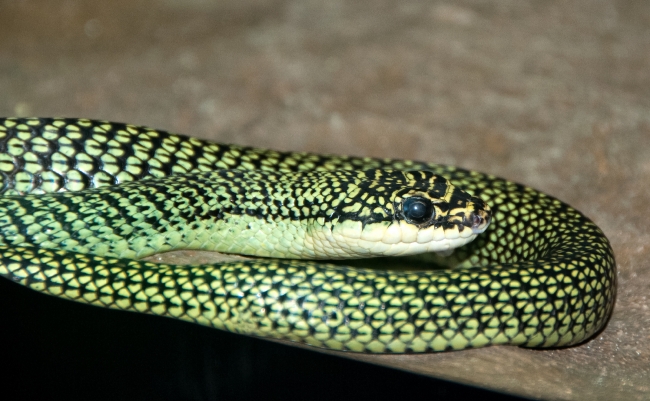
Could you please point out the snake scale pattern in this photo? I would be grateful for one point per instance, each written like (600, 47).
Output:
(541, 275)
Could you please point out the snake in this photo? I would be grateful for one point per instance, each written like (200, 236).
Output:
(82, 202)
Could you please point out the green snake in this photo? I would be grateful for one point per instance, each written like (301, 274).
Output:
(83, 200)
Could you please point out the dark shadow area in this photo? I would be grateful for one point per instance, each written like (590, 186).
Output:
(54, 348)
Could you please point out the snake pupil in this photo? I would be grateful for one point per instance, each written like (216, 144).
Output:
(417, 209)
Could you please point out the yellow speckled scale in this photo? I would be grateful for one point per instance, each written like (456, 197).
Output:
(541, 275)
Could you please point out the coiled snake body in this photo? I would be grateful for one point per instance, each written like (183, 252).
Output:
(541, 275)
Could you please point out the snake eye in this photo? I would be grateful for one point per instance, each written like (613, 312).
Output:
(417, 210)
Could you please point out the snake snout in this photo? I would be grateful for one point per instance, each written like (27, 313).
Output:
(479, 219)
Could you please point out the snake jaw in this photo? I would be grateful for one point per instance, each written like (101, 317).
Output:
(388, 239)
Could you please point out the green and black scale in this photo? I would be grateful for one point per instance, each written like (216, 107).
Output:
(542, 275)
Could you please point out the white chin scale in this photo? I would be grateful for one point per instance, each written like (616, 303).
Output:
(351, 240)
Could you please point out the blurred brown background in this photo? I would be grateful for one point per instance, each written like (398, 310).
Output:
(552, 94)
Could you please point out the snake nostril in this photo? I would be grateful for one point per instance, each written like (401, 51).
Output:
(476, 220)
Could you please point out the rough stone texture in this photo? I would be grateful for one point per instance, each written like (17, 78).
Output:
(553, 94)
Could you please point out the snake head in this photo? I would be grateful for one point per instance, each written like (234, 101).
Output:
(404, 213)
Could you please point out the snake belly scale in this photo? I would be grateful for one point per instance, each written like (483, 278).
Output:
(541, 275)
